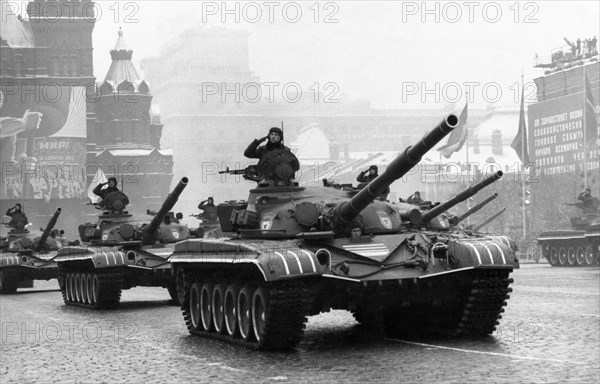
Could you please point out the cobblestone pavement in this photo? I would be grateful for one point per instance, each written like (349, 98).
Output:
(550, 333)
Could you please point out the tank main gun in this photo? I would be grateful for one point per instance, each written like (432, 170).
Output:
(46, 233)
(457, 219)
(168, 204)
(462, 196)
(489, 219)
(411, 156)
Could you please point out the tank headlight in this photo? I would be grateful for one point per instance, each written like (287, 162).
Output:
(323, 257)
(175, 234)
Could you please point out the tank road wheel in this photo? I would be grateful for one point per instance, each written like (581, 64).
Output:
(218, 313)
(65, 287)
(69, 286)
(589, 256)
(195, 306)
(84, 292)
(95, 288)
(562, 256)
(571, 257)
(230, 309)
(77, 287)
(260, 307)
(8, 282)
(580, 256)
(89, 288)
(244, 306)
(553, 256)
(206, 306)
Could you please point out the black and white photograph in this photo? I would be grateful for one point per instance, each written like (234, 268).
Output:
(306, 191)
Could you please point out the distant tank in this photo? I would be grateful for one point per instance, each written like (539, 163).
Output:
(26, 256)
(576, 247)
(119, 252)
(300, 251)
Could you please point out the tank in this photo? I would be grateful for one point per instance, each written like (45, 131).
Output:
(575, 247)
(208, 226)
(300, 251)
(27, 255)
(120, 251)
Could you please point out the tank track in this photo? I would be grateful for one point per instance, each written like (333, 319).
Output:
(284, 323)
(473, 311)
(10, 280)
(110, 283)
(485, 303)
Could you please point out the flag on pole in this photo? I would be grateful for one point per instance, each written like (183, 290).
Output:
(519, 143)
(100, 177)
(591, 122)
(458, 136)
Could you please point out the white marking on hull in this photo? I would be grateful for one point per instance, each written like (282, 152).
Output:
(488, 251)
(297, 260)
(501, 252)
(312, 262)
(476, 252)
(287, 269)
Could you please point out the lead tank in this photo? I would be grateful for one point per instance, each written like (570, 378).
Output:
(575, 247)
(300, 251)
(26, 256)
(120, 251)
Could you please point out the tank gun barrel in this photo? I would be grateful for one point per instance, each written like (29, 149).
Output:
(462, 196)
(473, 209)
(396, 169)
(48, 228)
(489, 219)
(166, 207)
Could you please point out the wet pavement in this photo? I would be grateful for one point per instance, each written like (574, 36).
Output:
(549, 333)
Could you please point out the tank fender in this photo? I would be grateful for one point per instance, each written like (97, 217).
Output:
(101, 258)
(273, 260)
(482, 252)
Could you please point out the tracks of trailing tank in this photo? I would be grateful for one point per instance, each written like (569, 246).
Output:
(283, 319)
(99, 289)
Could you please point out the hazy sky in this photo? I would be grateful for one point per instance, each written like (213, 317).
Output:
(387, 52)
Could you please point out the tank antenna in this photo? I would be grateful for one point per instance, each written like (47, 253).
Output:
(282, 135)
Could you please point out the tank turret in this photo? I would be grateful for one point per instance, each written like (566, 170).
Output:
(279, 208)
(42, 240)
(460, 197)
(117, 225)
(169, 203)
(458, 219)
(489, 220)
